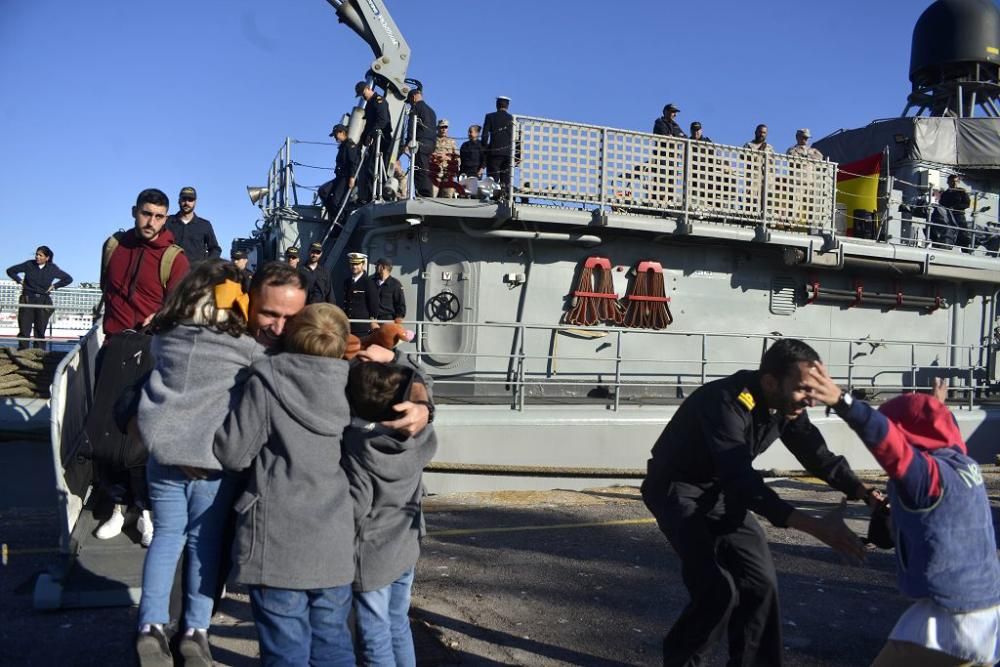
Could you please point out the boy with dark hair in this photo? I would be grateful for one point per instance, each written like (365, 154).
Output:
(385, 472)
(701, 487)
(941, 523)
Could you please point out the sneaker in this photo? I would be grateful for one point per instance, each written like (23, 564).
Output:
(195, 650)
(153, 648)
(145, 527)
(112, 527)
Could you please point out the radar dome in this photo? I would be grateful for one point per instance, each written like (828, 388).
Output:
(950, 32)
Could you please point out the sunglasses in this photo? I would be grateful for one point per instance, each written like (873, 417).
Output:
(187, 199)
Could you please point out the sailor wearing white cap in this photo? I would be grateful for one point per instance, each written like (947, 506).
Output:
(802, 147)
(360, 295)
(498, 138)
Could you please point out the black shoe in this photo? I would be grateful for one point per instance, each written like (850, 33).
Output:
(195, 650)
(153, 648)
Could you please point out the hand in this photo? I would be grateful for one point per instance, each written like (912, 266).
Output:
(377, 353)
(940, 390)
(820, 386)
(414, 419)
(149, 318)
(873, 497)
(831, 530)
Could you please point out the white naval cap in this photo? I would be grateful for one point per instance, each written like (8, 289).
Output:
(357, 257)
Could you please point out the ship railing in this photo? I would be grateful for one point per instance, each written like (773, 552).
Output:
(625, 171)
(531, 363)
(83, 320)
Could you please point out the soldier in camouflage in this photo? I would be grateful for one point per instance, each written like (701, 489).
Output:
(802, 147)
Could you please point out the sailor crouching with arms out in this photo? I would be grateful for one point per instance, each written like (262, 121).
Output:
(701, 487)
(946, 552)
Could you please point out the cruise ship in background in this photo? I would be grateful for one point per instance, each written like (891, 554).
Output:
(74, 310)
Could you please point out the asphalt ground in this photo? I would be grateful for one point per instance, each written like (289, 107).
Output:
(516, 578)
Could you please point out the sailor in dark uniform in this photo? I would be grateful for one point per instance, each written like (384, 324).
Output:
(240, 260)
(320, 289)
(667, 123)
(472, 154)
(498, 138)
(701, 487)
(332, 193)
(360, 296)
(378, 130)
(425, 136)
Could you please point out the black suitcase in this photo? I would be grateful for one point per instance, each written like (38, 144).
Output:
(125, 363)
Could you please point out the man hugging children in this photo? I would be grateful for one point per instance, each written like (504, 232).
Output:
(298, 535)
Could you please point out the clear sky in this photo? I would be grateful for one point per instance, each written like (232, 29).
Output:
(101, 99)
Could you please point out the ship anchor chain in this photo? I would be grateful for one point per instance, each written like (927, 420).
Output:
(443, 306)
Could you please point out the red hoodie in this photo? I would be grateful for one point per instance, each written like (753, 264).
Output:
(133, 290)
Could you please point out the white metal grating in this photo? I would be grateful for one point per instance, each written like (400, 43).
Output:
(783, 300)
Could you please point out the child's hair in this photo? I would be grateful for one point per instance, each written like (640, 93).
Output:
(373, 388)
(319, 329)
(193, 301)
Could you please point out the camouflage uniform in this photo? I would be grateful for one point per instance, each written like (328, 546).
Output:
(805, 151)
(445, 145)
(760, 146)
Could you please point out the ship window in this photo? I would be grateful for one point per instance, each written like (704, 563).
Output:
(782, 295)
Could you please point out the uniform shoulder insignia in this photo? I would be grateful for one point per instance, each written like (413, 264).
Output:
(746, 399)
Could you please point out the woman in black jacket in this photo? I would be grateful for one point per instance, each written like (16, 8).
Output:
(40, 277)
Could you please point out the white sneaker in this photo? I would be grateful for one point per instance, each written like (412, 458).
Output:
(145, 528)
(112, 527)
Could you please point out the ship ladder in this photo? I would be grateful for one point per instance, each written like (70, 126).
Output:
(594, 299)
(648, 303)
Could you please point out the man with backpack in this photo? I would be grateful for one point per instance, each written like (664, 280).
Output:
(139, 267)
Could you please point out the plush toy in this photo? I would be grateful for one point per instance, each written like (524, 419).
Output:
(388, 335)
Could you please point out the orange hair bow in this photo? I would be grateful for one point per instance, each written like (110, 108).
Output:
(230, 294)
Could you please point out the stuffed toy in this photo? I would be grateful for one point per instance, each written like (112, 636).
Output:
(388, 335)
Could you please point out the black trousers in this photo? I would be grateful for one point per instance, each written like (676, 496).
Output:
(33, 318)
(498, 167)
(422, 177)
(727, 569)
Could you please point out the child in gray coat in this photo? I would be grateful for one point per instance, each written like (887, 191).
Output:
(385, 471)
(294, 525)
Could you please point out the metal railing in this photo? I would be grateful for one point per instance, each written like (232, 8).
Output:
(627, 171)
(81, 321)
(531, 364)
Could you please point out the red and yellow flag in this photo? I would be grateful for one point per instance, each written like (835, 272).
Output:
(857, 186)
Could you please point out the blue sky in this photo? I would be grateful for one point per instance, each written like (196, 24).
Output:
(101, 99)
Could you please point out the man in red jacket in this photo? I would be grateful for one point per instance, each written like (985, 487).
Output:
(132, 279)
(139, 268)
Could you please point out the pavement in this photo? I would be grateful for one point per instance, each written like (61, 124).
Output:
(516, 578)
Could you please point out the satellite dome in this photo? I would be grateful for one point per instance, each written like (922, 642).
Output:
(953, 32)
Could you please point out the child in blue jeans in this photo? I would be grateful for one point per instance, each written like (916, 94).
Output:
(385, 471)
(946, 557)
(202, 353)
(294, 530)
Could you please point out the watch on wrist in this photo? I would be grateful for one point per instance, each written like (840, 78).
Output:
(430, 410)
(844, 402)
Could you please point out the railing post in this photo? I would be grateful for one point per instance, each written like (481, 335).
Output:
(972, 381)
(618, 371)
(414, 146)
(686, 181)
(704, 358)
(601, 163)
(286, 172)
(913, 365)
(850, 365)
(520, 368)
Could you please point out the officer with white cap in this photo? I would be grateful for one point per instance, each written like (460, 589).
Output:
(360, 295)
(498, 139)
(802, 147)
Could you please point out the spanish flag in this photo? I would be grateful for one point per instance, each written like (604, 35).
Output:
(857, 186)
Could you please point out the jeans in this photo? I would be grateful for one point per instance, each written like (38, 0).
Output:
(297, 628)
(384, 624)
(187, 514)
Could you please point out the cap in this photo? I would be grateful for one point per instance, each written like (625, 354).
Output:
(503, 97)
(382, 261)
(316, 245)
(414, 91)
(359, 87)
(443, 122)
(338, 128)
(670, 107)
(695, 126)
(188, 191)
(238, 254)
(357, 257)
(804, 131)
(292, 252)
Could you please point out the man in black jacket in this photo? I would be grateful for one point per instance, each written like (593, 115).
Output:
(391, 302)
(472, 155)
(701, 487)
(39, 277)
(193, 233)
(377, 134)
(360, 296)
(667, 123)
(498, 139)
(320, 289)
(332, 193)
(426, 121)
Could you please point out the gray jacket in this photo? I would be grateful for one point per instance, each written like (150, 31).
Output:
(294, 523)
(187, 396)
(386, 476)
